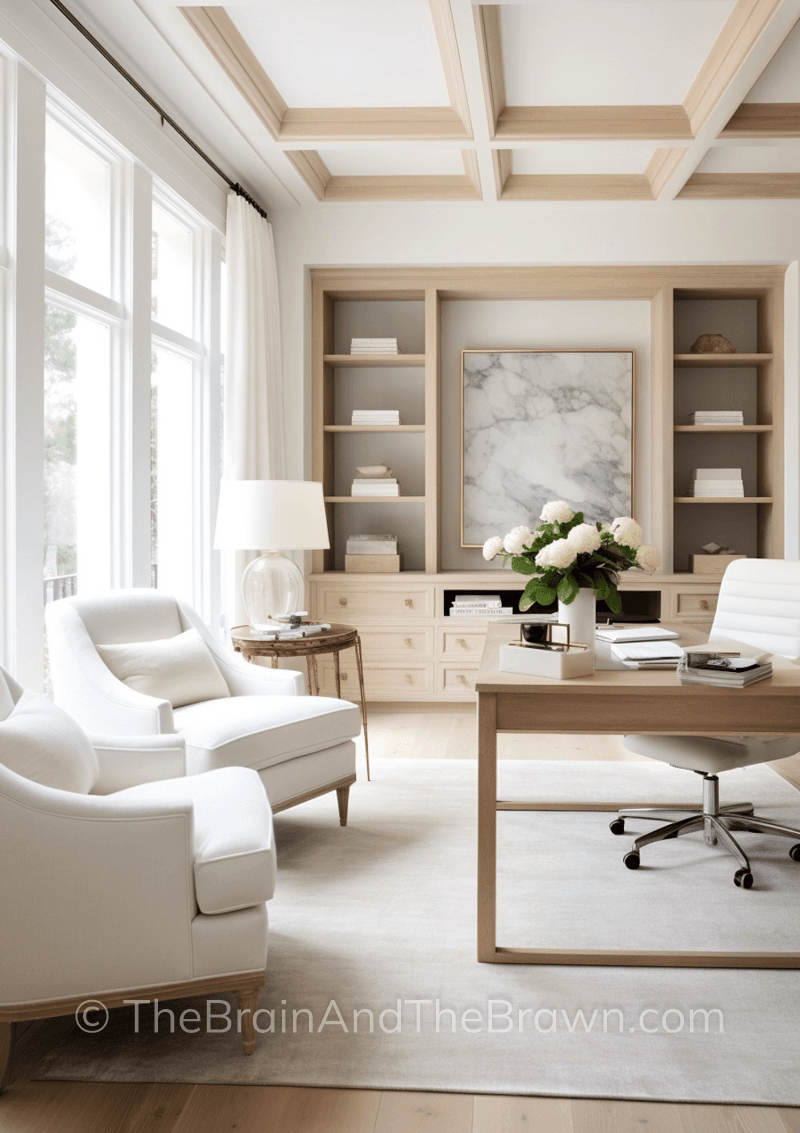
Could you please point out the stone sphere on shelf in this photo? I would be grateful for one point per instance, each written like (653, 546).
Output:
(712, 344)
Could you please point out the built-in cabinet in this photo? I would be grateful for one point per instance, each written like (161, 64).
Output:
(413, 649)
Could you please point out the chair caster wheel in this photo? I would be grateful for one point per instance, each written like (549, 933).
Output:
(794, 852)
(743, 878)
(618, 826)
(631, 860)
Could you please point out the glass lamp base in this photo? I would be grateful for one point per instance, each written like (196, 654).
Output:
(272, 587)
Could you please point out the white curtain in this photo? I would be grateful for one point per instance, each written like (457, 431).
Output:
(254, 438)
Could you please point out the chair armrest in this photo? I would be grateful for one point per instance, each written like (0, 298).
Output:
(126, 761)
(242, 678)
(85, 687)
(98, 892)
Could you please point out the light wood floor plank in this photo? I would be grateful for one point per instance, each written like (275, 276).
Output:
(85, 1107)
(731, 1119)
(247, 1109)
(503, 1114)
(591, 1116)
(155, 1108)
(790, 1119)
(405, 1112)
(330, 1111)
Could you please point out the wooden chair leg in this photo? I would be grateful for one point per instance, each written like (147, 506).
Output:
(343, 798)
(248, 1003)
(7, 1036)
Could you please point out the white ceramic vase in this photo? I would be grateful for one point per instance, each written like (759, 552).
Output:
(580, 616)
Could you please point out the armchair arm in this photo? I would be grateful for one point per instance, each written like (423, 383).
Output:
(98, 892)
(89, 691)
(127, 761)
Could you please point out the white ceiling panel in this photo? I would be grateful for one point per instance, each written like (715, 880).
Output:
(752, 159)
(582, 157)
(323, 53)
(780, 81)
(606, 52)
(385, 162)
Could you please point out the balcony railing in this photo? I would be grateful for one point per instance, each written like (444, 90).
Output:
(60, 586)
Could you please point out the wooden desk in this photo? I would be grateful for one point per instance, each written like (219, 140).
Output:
(609, 702)
(334, 640)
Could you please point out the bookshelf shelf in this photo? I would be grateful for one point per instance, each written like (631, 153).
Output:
(359, 360)
(721, 361)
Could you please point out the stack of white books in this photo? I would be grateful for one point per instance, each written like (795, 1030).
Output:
(373, 346)
(376, 417)
(371, 545)
(478, 606)
(725, 668)
(375, 486)
(719, 482)
(717, 417)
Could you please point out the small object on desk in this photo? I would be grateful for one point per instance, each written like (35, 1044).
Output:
(648, 654)
(559, 663)
(726, 668)
(635, 633)
(288, 631)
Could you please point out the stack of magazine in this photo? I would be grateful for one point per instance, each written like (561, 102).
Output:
(722, 667)
(478, 606)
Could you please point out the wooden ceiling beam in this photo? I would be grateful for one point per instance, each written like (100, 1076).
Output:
(593, 123)
(764, 120)
(444, 187)
(442, 16)
(490, 53)
(577, 187)
(741, 186)
(369, 123)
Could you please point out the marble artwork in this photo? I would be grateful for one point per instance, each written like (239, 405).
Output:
(540, 426)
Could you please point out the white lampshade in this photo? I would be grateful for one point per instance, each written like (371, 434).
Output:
(276, 515)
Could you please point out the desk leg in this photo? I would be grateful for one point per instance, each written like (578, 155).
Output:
(487, 827)
(360, 664)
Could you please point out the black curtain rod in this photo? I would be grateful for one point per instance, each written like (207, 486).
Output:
(163, 115)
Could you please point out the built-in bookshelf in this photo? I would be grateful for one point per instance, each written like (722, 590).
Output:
(413, 649)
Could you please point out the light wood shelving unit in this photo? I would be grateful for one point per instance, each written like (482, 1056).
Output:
(413, 650)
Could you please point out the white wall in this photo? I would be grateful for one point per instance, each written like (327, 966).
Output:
(532, 233)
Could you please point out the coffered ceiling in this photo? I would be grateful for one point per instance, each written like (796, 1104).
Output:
(376, 100)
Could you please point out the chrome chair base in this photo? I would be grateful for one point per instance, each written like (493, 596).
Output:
(714, 821)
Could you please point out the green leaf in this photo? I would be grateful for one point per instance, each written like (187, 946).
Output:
(600, 586)
(523, 566)
(613, 599)
(545, 595)
(567, 589)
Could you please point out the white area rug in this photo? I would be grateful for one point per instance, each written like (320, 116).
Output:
(384, 911)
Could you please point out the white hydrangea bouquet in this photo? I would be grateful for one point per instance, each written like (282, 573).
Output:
(565, 554)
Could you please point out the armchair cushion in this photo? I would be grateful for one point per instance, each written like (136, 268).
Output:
(40, 742)
(234, 848)
(179, 669)
(257, 731)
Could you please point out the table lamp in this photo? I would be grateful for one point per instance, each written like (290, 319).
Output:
(271, 516)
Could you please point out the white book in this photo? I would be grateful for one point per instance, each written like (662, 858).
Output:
(375, 480)
(634, 633)
(373, 341)
(475, 600)
(476, 612)
(666, 653)
(717, 474)
(374, 493)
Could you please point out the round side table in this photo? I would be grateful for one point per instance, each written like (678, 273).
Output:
(334, 640)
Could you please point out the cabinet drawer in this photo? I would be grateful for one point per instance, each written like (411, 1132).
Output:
(397, 643)
(381, 682)
(695, 602)
(457, 680)
(346, 604)
(462, 644)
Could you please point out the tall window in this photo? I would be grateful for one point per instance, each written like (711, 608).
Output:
(80, 331)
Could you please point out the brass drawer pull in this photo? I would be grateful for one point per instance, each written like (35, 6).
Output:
(703, 603)
(409, 642)
(461, 678)
(343, 676)
(342, 601)
(462, 642)
(409, 679)
(410, 603)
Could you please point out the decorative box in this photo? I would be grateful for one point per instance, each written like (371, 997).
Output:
(559, 663)
(373, 564)
(713, 564)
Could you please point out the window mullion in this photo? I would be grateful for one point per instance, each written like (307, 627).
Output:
(138, 401)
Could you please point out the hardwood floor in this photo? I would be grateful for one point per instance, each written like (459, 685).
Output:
(79, 1107)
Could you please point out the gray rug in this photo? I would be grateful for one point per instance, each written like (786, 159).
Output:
(384, 911)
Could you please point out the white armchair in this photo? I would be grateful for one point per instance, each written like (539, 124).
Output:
(156, 891)
(173, 677)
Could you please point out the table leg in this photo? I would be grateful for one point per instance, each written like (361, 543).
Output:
(311, 663)
(360, 665)
(487, 826)
(338, 674)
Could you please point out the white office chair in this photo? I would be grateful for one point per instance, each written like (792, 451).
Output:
(157, 891)
(139, 662)
(759, 605)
